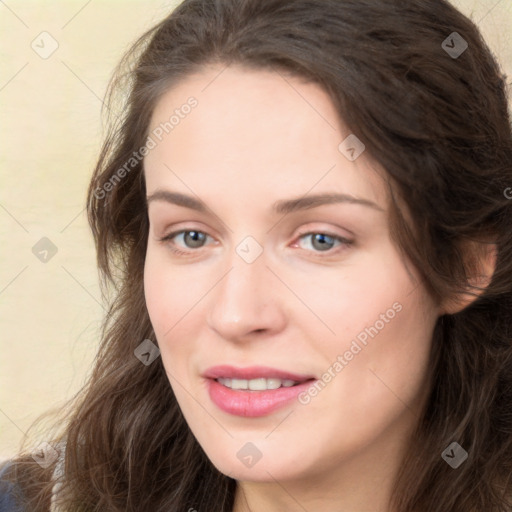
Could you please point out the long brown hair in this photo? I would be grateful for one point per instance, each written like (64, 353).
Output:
(438, 124)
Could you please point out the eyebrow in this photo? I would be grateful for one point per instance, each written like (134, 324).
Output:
(280, 207)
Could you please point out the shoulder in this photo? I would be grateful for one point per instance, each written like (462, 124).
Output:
(9, 491)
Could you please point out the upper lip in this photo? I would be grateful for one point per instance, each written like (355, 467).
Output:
(252, 372)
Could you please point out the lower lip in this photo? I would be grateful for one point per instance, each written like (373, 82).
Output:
(252, 404)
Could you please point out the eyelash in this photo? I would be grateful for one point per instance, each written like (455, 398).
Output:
(345, 243)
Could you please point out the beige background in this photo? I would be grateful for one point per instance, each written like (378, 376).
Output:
(50, 135)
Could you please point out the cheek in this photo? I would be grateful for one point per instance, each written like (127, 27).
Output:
(173, 299)
(383, 322)
(169, 290)
(155, 290)
(355, 297)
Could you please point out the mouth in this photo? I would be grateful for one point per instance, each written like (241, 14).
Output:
(254, 373)
(258, 384)
(255, 391)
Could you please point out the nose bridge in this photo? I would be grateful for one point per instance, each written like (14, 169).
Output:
(244, 299)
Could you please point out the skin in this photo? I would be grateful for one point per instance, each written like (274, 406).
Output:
(254, 138)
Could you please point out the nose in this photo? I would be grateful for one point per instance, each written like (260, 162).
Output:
(246, 302)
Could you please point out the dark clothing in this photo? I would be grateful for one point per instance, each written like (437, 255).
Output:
(8, 497)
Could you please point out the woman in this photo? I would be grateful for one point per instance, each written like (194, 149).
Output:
(303, 211)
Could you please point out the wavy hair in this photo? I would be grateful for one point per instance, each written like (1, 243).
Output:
(439, 126)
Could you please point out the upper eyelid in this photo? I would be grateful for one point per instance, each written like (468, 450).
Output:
(302, 232)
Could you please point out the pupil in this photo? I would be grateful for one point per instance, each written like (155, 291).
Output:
(196, 237)
(321, 238)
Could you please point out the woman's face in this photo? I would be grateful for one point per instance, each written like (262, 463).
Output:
(274, 284)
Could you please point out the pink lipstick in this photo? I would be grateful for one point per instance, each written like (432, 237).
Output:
(254, 391)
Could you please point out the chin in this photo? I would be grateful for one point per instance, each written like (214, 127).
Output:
(268, 468)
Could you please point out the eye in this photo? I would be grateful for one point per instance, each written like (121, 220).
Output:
(193, 239)
(196, 239)
(323, 242)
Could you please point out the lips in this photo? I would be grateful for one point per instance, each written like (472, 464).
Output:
(252, 403)
(253, 372)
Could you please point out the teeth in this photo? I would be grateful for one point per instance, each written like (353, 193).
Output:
(273, 383)
(261, 384)
(239, 384)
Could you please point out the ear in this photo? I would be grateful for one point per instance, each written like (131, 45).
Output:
(481, 263)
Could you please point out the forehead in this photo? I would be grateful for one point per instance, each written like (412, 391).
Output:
(255, 131)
